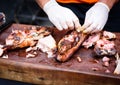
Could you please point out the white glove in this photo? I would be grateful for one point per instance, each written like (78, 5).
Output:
(61, 17)
(96, 18)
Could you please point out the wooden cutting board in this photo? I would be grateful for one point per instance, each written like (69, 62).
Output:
(45, 71)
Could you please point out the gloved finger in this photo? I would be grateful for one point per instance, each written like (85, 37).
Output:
(86, 25)
(70, 24)
(88, 30)
(76, 22)
(97, 29)
(56, 23)
(91, 28)
(58, 26)
(100, 26)
(64, 25)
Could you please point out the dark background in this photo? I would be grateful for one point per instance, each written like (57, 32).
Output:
(23, 11)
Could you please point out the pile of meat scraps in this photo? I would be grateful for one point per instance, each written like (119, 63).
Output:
(104, 46)
(41, 39)
(36, 38)
(103, 43)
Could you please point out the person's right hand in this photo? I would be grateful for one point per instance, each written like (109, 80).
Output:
(61, 17)
(96, 18)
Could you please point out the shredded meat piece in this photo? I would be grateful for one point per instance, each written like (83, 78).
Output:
(26, 37)
(47, 45)
(92, 39)
(109, 35)
(68, 42)
(105, 47)
(103, 43)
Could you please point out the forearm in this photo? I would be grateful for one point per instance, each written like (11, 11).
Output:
(41, 3)
(109, 3)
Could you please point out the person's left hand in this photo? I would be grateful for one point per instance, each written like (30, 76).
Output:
(96, 18)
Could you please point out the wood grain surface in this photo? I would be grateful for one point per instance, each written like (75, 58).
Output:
(47, 71)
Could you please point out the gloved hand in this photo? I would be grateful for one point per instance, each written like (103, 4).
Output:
(96, 18)
(61, 17)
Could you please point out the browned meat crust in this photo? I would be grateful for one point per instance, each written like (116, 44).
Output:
(69, 44)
